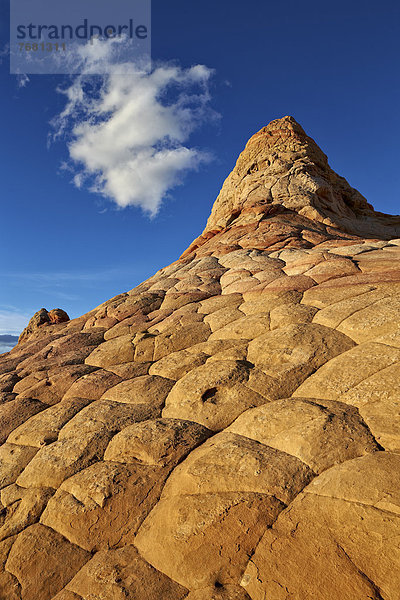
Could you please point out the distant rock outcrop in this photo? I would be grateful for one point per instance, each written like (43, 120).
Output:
(230, 428)
(43, 318)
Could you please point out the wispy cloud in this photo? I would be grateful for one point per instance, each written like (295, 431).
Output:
(68, 286)
(4, 51)
(12, 321)
(62, 284)
(127, 131)
(64, 277)
(22, 80)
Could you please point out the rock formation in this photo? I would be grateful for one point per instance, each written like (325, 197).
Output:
(43, 318)
(229, 429)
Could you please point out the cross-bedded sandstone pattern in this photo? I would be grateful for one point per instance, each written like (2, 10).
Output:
(230, 428)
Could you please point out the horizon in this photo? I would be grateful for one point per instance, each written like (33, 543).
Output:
(65, 245)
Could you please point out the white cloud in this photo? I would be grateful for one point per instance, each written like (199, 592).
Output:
(128, 129)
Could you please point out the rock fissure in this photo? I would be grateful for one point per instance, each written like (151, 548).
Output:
(376, 590)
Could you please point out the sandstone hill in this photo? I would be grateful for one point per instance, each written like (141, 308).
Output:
(230, 428)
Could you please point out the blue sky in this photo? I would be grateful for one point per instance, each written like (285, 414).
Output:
(334, 67)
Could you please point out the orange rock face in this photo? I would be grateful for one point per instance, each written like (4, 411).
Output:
(230, 428)
(43, 318)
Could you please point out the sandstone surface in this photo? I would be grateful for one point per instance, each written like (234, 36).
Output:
(228, 429)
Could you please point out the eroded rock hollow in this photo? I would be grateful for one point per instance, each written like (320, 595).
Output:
(229, 429)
